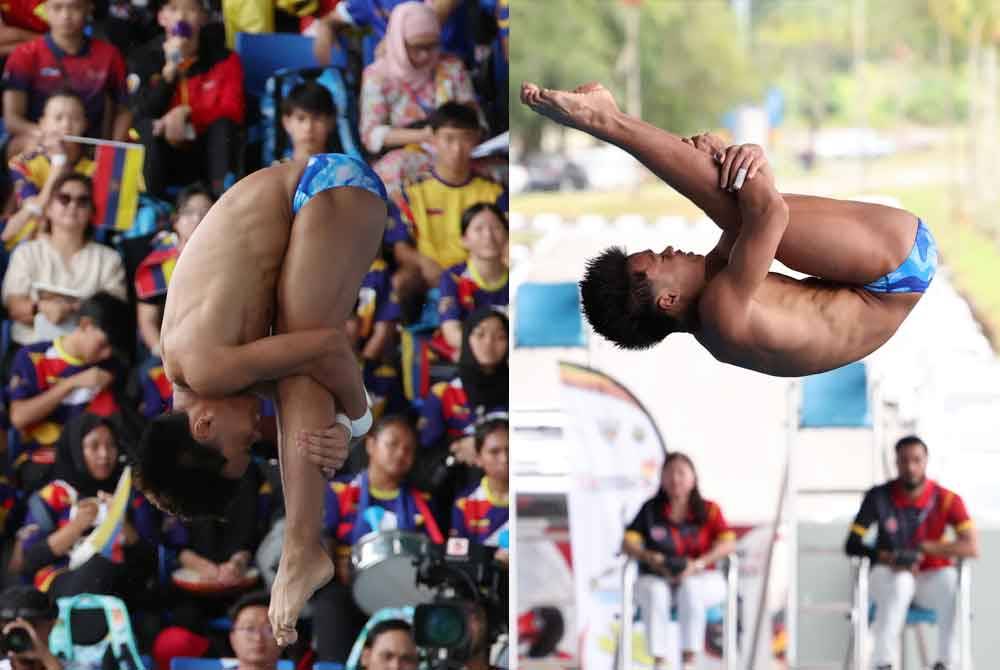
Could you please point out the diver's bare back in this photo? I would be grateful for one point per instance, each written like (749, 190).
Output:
(799, 327)
(222, 291)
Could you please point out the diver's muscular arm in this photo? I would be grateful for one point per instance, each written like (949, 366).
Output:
(324, 354)
(223, 370)
(764, 216)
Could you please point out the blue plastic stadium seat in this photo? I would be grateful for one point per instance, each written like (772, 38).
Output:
(187, 663)
(838, 398)
(264, 54)
(914, 615)
(713, 614)
(222, 624)
(548, 315)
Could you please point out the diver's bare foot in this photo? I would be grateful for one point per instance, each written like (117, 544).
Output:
(580, 108)
(300, 574)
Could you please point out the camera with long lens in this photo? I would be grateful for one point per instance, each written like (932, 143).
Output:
(16, 640)
(469, 612)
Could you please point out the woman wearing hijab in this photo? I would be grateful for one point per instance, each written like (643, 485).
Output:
(452, 408)
(409, 79)
(86, 472)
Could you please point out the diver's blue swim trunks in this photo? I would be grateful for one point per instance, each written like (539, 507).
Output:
(326, 171)
(916, 272)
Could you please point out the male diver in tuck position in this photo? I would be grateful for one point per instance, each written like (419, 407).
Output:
(870, 264)
(257, 304)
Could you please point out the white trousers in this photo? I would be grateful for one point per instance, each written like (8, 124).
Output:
(694, 596)
(892, 592)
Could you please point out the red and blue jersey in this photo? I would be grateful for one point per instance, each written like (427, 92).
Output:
(8, 501)
(154, 272)
(27, 14)
(157, 391)
(40, 67)
(378, 303)
(37, 368)
(654, 529)
(49, 510)
(463, 290)
(446, 415)
(903, 523)
(376, 299)
(481, 516)
(353, 508)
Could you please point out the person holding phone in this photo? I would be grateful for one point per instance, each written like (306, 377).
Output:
(677, 537)
(186, 93)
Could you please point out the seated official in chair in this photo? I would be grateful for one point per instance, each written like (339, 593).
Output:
(677, 537)
(912, 563)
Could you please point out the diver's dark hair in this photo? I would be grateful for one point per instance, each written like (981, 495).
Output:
(619, 305)
(178, 474)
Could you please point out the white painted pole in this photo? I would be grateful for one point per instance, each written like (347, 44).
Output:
(859, 612)
(730, 648)
(629, 573)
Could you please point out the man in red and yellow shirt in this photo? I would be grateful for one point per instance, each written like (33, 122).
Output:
(912, 560)
(65, 57)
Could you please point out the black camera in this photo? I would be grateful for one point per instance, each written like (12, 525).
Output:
(675, 565)
(469, 612)
(905, 558)
(16, 640)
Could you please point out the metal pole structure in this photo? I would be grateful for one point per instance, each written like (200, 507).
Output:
(964, 611)
(859, 612)
(875, 407)
(792, 530)
(633, 76)
(629, 573)
(730, 621)
(860, 11)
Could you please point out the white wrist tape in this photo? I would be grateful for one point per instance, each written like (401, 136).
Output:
(362, 425)
(58, 160)
(345, 422)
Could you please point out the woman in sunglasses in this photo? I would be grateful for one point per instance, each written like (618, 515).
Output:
(49, 276)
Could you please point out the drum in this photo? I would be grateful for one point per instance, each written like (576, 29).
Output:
(385, 570)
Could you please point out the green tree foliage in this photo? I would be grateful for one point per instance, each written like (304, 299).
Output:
(692, 62)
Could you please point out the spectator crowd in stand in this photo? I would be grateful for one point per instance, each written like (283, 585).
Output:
(425, 84)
